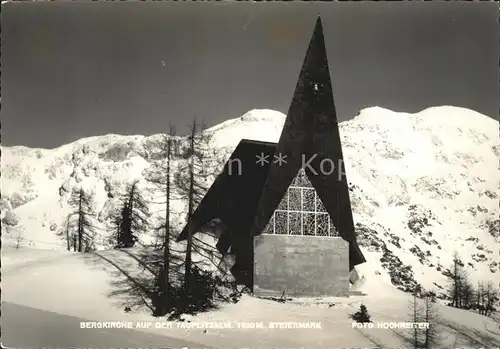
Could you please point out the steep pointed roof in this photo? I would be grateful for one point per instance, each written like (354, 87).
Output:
(233, 196)
(310, 139)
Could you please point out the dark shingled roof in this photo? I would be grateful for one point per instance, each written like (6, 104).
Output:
(234, 195)
(246, 203)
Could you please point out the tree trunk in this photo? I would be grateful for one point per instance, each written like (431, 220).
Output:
(415, 319)
(427, 319)
(456, 283)
(80, 223)
(166, 249)
(68, 241)
(130, 239)
(189, 247)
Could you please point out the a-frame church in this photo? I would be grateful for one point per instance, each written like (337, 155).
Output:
(288, 220)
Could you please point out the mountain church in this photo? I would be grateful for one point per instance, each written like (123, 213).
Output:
(285, 207)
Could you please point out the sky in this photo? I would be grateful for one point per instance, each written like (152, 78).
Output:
(79, 69)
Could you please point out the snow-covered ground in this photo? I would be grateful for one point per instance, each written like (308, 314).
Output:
(90, 287)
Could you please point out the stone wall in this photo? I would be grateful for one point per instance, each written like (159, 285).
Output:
(300, 266)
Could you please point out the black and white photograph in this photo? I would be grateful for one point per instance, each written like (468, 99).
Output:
(250, 174)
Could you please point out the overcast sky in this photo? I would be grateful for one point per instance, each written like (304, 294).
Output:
(79, 69)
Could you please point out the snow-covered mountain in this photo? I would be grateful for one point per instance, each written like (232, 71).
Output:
(423, 186)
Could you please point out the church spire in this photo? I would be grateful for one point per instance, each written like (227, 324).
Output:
(310, 139)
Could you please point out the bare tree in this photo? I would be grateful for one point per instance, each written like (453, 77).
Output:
(491, 297)
(458, 280)
(193, 179)
(416, 316)
(82, 204)
(160, 175)
(430, 317)
(466, 292)
(480, 298)
(65, 232)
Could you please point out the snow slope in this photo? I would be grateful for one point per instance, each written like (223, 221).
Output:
(94, 288)
(422, 186)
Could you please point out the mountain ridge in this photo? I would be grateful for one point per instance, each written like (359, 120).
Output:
(248, 116)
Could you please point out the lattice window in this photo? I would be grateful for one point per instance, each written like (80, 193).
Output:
(301, 180)
(308, 197)
(284, 203)
(280, 222)
(309, 223)
(294, 199)
(301, 212)
(319, 204)
(294, 223)
(322, 224)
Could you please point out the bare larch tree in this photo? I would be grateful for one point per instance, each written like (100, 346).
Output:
(160, 175)
(82, 204)
(199, 167)
(415, 316)
(430, 317)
